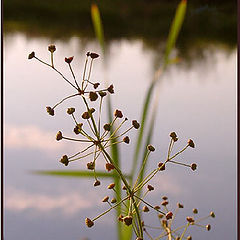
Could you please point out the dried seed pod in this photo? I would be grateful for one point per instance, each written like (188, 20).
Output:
(91, 165)
(124, 187)
(93, 96)
(190, 219)
(177, 238)
(110, 89)
(102, 94)
(151, 148)
(59, 136)
(189, 238)
(118, 113)
(120, 218)
(109, 166)
(94, 55)
(138, 238)
(31, 55)
(127, 220)
(114, 200)
(111, 186)
(107, 127)
(164, 203)
(88, 54)
(212, 214)
(70, 110)
(50, 111)
(193, 166)
(64, 160)
(86, 115)
(173, 135)
(89, 222)
(105, 199)
(76, 130)
(169, 215)
(150, 187)
(145, 209)
(160, 215)
(164, 198)
(208, 227)
(68, 60)
(180, 205)
(96, 183)
(195, 211)
(157, 207)
(135, 124)
(52, 48)
(95, 85)
(126, 139)
(161, 166)
(191, 143)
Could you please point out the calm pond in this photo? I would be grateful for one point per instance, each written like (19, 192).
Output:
(196, 98)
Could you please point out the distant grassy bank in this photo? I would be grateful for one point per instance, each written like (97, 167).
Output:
(206, 21)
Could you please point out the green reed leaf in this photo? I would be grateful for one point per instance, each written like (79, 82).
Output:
(81, 174)
(97, 24)
(142, 127)
(172, 37)
(99, 32)
(175, 29)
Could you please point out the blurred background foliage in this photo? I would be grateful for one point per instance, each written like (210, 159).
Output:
(208, 22)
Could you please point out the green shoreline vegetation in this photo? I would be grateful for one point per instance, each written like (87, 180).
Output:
(208, 21)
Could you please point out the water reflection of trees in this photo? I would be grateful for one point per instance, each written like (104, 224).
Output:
(207, 22)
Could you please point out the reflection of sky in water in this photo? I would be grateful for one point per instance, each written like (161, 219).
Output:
(197, 103)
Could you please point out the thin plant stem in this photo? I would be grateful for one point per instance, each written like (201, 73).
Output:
(128, 189)
(84, 150)
(73, 75)
(143, 165)
(76, 140)
(147, 233)
(99, 116)
(90, 126)
(184, 231)
(179, 163)
(149, 204)
(52, 59)
(100, 215)
(178, 152)
(65, 99)
(57, 72)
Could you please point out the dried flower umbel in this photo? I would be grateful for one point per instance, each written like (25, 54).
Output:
(99, 137)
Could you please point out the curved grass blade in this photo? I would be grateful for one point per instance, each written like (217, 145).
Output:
(172, 37)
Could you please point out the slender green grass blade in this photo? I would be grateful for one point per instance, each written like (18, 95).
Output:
(81, 174)
(172, 37)
(117, 181)
(148, 141)
(97, 24)
(99, 32)
(175, 29)
(141, 131)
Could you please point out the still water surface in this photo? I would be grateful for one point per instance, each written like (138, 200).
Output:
(197, 101)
